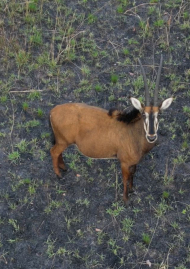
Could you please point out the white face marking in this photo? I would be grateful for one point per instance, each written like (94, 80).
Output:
(146, 123)
(151, 135)
(156, 123)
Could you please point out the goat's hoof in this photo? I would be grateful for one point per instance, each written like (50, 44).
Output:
(132, 190)
(59, 176)
(63, 167)
(126, 201)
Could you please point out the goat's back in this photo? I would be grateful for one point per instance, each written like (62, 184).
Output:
(91, 128)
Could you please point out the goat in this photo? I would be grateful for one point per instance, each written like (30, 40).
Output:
(99, 133)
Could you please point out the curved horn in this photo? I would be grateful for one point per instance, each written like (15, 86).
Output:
(157, 82)
(147, 96)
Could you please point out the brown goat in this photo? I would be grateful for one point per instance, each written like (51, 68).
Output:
(99, 133)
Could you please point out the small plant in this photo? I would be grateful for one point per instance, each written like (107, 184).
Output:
(21, 59)
(181, 191)
(127, 224)
(13, 241)
(146, 238)
(168, 179)
(165, 195)
(53, 205)
(98, 88)
(3, 99)
(101, 237)
(12, 206)
(133, 41)
(40, 112)
(91, 18)
(117, 209)
(31, 124)
(45, 135)
(111, 98)
(32, 6)
(151, 10)
(85, 202)
(126, 51)
(186, 15)
(85, 70)
(2, 134)
(120, 9)
(50, 247)
(14, 224)
(138, 84)
(136, 210)
(114, 78)
(175, 225)
(186, 110)
(34, 95)
(162, 208)
(36, 38)
(32, 188)
(89, 162)
(22, 145)
(181, 266)
(185, 25)
(14, 157)
(179, 160)
(25, 106)
(123, 4)
(61, 252)
(113, 246)
(187, 73)
(185, 145)
(159, 23)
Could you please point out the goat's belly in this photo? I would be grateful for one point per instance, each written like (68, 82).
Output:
(95, 155)
(97, 151)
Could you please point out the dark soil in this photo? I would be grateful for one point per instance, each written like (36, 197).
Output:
(54, 52)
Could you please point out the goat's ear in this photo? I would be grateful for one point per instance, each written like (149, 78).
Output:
(166, 103)
(137, 104)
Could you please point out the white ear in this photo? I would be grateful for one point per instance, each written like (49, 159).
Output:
(137, 104)
(166, 103)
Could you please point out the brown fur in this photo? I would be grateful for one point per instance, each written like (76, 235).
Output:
(98, 134)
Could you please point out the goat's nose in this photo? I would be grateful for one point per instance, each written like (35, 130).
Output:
(152, 138)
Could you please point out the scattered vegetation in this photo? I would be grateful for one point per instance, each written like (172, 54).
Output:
(53, 52)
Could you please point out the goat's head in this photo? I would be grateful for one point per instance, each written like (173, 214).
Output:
(150, 112)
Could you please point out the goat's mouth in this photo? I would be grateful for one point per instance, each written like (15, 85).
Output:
(151, 138)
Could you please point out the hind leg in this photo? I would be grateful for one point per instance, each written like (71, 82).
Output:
(61, 163)
(57, 160)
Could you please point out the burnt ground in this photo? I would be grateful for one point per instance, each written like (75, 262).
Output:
(53, 52)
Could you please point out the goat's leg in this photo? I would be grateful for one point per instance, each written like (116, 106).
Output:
(57, 160)
(126, 177)
(61, 163)
(132, 170)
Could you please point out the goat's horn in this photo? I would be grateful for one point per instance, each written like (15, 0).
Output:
(147, 96)
(157, 82)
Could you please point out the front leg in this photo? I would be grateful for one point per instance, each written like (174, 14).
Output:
(132, 172)
(126, 173)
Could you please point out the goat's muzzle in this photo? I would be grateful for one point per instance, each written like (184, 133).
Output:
(151, 138)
